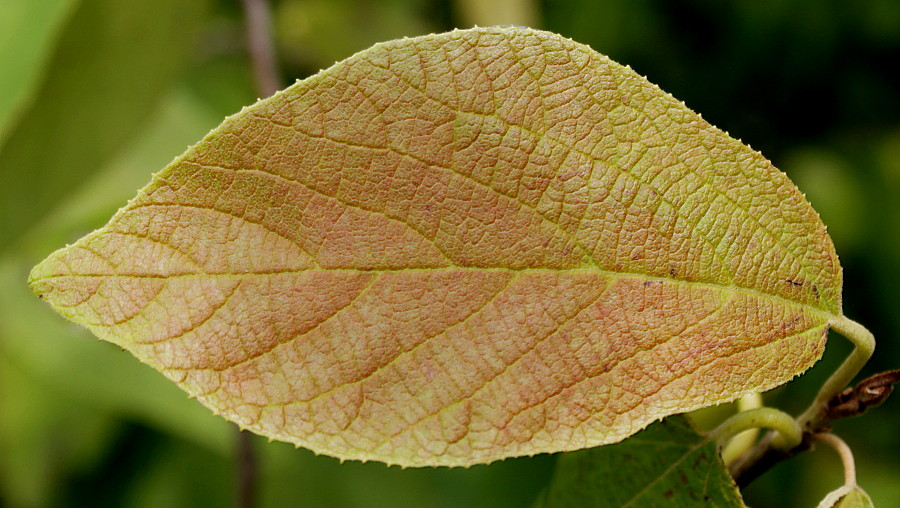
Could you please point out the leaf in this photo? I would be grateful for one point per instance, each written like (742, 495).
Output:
(457, 248)
(29, 29)
(666, 464)
(109, 67)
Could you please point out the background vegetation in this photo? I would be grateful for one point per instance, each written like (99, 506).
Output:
(95, 95)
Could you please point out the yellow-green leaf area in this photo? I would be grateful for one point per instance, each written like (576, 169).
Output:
(457, 248)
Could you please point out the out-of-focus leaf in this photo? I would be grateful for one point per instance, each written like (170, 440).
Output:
(224, 85)
(324, 481)
(62, 357)
(44, 435)
(315, 33)
(180, 475)
(28, 31)
(179, 117)
(458, 248)
(614, 27)
(112, 62)
(498, 12)
(879, 470)
(668, 464)
(834, 188)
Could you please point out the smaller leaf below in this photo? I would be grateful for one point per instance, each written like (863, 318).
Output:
(848, 496)
(667, 464)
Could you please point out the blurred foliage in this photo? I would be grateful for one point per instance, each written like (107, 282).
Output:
(27, 33)
(667, 464)
(111, 63)
(95, 95)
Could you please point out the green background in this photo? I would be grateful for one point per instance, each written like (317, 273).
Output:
(95, 95)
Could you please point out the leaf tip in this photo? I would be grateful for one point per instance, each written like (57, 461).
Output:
(37, 280)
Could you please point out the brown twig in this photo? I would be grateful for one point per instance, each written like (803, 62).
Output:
(763, 457)
(869, 393)
(245, 458)
(262, 51)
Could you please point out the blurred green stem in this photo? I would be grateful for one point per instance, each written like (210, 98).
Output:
(846, 456)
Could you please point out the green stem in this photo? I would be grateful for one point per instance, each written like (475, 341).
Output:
(742, 442)
(864, 343)
(765, 454)
(789, 433)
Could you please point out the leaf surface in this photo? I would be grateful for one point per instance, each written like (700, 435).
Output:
(457, 248)
(667, 464)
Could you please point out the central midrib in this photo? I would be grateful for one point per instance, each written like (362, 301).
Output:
(822, 311)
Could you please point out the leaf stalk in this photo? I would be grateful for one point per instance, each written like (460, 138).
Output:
(846, 456)
(814, 417)
(817, 416)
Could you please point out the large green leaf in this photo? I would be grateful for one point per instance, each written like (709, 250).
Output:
(457, 248)
(28, 30)
(112, 61)
(667, 464)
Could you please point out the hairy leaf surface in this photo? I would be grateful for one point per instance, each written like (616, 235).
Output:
(457, 248)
